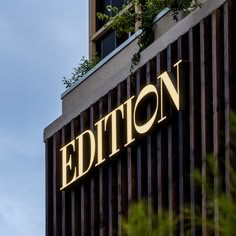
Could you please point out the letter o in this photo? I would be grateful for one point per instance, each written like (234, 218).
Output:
(141, 129)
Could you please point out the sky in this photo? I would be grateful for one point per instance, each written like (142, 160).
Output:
(41, 41)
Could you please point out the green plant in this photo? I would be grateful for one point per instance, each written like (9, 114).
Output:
(80, 71)
(140, 222)
(124, 21)
(216, 199)
(220, 204)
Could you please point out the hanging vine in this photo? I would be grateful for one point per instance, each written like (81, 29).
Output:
(124, 21)
(78, 72)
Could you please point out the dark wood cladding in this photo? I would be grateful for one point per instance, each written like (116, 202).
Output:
(157, 167)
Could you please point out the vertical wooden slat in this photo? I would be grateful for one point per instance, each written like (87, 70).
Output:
(122, 173)
(103, 191)
(170, 153)
(191, 118)
(203, 119)
(57, 204)
(149, 147)
(94, 197)
(120, 182)
(74, 192)
(131, 154)
(87, 207)
(152, 146)
(159, 159)
(49, 186)
(114, 200)
(164, 144)
(112, 174)
(206, 104)
(82, 200)
(216, 75)
(149, 156)
(74, 224)
(66, 195)
(214, 81)
(174, 115)
(64, 211)
(184, 78)
(101, 210)
(85, 187)
(142, 142)
(132, 175)
(197, 114)
(226, 93)
(75, 218)
(139, 150)
(93, 206)
(82, 190)
(180, 137)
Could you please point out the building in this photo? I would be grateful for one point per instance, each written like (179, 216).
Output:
(112, 146)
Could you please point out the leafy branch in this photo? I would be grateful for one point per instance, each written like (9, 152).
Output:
(80, 71)
(141, 221)
(216, 195)
(124, 22)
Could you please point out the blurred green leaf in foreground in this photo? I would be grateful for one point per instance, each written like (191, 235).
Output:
(220, 203)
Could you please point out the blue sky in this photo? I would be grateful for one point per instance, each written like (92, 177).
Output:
(40, 42)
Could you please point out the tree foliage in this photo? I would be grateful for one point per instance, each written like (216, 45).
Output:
(124, 21)
(84, 67)
(141, 222)
(220, 201)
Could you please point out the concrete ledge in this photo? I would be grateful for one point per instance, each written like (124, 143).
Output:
(117, 68)
(113, 53)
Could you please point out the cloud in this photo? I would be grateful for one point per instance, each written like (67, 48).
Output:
(19, 217)
(32, 25)
(21, 189)
(41, 41)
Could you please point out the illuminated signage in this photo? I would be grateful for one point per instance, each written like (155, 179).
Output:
(86, 151)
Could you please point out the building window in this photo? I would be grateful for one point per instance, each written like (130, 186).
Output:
(102, 39)
(108, 42)
(101, 7)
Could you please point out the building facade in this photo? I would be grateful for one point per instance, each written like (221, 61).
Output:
(124, 137)
(102, 40)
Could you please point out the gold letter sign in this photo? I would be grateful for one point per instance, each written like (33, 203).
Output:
(87, 149)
